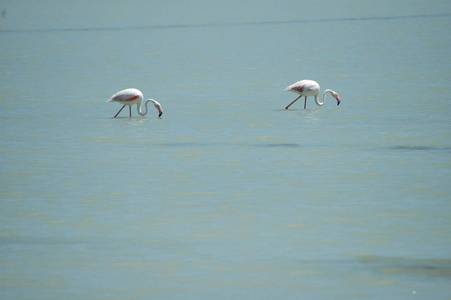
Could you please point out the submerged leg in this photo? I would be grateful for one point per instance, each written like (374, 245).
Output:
(293, 102)
(119, 111)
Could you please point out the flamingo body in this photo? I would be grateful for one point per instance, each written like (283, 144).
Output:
(307, 88)
(129, 97)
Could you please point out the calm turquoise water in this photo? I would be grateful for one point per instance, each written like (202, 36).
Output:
(228, 196)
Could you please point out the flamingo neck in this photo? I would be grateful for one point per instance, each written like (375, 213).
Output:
(139, 107)
(324, 97)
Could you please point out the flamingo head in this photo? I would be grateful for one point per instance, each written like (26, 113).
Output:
(158, 107)
(335, 95)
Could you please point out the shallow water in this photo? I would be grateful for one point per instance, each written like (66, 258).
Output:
(229, 195)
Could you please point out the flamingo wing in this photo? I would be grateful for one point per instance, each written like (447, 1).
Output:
(295, 87)
(304, 87)
(298, 88)
(126, 95)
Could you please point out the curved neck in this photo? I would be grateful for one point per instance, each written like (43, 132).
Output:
(139, 107)
(324, 97)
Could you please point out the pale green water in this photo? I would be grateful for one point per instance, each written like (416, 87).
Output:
(228, 196)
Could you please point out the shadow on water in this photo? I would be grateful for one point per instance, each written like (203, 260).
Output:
(401, 266)
(215, 144)
(419, 148)
(232, 24)
(279, 145)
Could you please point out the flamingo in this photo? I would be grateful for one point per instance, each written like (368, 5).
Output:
(134, 96)
(308, 88)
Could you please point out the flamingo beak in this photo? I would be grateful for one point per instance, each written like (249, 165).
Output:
(160, 110)
(338, 100)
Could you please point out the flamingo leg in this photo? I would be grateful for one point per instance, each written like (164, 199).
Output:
(119, 111)
(294, 101)
(130, 108)
(305, 102)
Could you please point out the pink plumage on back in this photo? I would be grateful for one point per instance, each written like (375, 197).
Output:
(126, 95)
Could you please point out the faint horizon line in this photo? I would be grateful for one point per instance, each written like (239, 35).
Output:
(231, 24)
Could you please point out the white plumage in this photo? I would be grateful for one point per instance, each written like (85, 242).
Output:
(309, 88)
(134, 96)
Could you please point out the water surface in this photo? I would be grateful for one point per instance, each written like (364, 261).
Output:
(228, 195)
